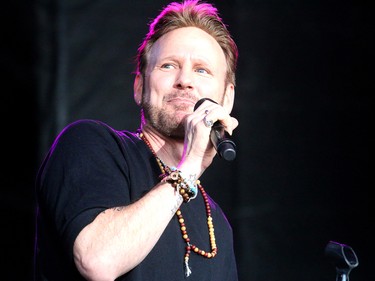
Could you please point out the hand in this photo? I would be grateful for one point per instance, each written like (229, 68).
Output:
(198, 149)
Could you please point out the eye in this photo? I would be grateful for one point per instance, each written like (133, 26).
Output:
(167, 66)
(202, 70)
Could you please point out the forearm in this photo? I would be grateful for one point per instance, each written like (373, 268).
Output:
(120, 238)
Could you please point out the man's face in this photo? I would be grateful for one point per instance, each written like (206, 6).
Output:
(184, 65)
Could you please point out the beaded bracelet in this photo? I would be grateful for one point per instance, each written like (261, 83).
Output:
(186, 187)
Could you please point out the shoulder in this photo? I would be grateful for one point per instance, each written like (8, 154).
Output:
(85, 125)
(84, 135)
(85, 130)
(94, 133)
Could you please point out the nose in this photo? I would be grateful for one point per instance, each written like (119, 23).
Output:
(184, 79)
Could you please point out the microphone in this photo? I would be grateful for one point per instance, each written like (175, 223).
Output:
(220, 138)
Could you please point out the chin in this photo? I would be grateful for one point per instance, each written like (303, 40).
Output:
(177, 132)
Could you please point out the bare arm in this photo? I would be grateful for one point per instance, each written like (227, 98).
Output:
(120, 238)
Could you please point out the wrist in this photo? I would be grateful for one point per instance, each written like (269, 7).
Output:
(185, 184)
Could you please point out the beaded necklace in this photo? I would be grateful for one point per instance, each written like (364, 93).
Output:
(190, 248)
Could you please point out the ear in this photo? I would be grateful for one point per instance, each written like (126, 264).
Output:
(138, 87)
(229, 97)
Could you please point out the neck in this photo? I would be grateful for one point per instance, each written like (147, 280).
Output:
(169, 150)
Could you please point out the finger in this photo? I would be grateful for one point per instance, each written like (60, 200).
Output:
(234, 125)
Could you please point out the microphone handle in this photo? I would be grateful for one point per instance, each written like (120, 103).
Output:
(220, 138)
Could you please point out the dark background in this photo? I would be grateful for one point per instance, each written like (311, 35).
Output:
(304, 100)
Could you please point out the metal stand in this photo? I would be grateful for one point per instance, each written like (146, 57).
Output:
(343, 257)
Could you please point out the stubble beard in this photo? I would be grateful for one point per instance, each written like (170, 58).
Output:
(165, 121)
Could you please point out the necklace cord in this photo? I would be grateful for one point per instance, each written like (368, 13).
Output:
(175, 178)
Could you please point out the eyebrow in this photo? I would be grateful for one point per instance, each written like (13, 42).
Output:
(200, 60)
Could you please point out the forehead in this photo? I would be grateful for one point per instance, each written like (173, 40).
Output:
(188, 42)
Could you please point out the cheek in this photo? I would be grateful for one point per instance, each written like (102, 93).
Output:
(157, 87)
(211, 90)
(161, 84)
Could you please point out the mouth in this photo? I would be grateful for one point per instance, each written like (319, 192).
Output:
(182, 103)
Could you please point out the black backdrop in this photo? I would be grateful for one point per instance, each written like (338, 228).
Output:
(304, 101)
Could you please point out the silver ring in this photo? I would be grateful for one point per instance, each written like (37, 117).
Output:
(207, 123)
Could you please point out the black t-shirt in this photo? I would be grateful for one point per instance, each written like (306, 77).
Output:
(92, 167)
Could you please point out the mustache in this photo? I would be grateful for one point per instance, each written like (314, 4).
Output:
(186, 95)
